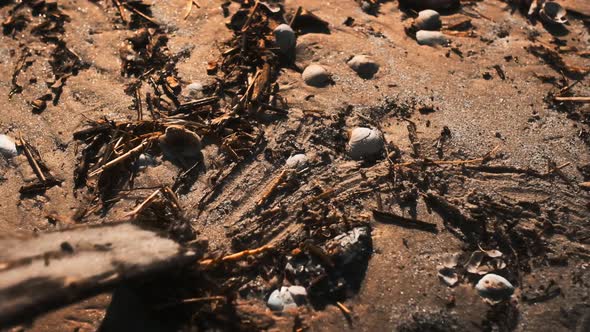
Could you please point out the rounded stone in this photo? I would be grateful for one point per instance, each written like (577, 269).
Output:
(297, 161)
(494, 287)
(363, 65)
(285, 38)
(178, 141)
(364, 143)
(7, 146)
(194, 90)
(431, 38)
(316, 75)
(428, 20)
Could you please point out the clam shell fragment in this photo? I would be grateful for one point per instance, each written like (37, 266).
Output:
(365, 143)
(297, 161)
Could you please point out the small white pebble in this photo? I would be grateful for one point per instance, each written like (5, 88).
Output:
(364, 143)
(7, 147)
(494, 287)
(428, 20)
(285, 38)
(296, 161)
(364, 65)
(431, 38)
(316, 75)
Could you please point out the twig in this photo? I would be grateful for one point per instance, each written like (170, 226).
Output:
(129, 154)
(191, 301)
(236, 256)
(574, 99)
(273, 186)
(391, 218)
(146, 202)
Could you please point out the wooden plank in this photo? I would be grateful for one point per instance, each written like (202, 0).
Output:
(56, 269)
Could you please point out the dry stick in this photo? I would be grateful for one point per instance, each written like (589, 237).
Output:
(138, 105)
(146, 202)
(189, 9)
(555, 169)
(192, 300)
(343, 308)
(574, 99)
(129, 154)
(32, 161)
(297, 13)
(273, 186)
(131, 8)
(121, 11)
(236, 256)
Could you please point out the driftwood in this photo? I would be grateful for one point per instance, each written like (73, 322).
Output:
(56, 269)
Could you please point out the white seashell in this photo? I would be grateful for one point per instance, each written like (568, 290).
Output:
(180, 142)
(285, 38)
(7, 147)
(494, 287)
(365, 66)
(316, 75)
(364, 143)
(428, 20)
(431, 38)
(297, 161)
(553, 13)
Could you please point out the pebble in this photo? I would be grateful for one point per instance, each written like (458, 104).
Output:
(194, 90)
(7, 147)
(363, 65)
(297, 161)
(364, 143)
(285, 38)
(144, 161)
(553, 13)
(428, 20)
(286, 298)
(180, 142)
(494, 287)
(431, 38)
(316, 75)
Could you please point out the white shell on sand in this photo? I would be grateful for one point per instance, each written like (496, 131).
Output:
(431, 38)
(316, 75)
(364, 143)
(428, 20)
(7, 146)
(364, 65)
(297, 161)
(285, 38)
(194, 90)
(494, 287)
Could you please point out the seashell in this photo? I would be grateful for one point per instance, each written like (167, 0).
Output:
(7, 147)
(428, 20)
(364, 143)
(285, 38)
(474, 262)
(494, 287)
(363, 65)
(178, 141)
(449, 276)
(316, 75)
(553, 13)
(297, 161)
(286, 298)
(431, 38)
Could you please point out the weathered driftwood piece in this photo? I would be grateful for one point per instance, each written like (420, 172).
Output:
(55, 269)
